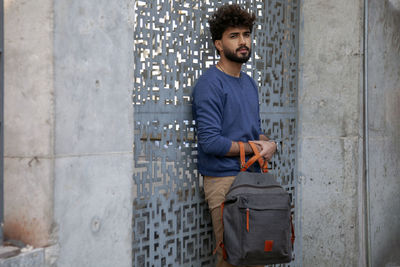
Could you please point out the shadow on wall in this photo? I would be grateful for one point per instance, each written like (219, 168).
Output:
(384, 140)
(395, 4)
(393, 18)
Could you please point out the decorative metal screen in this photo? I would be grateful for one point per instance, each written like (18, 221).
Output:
(172, 47)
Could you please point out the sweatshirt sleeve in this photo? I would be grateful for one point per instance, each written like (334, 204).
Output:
(260, 131)
(208, 103)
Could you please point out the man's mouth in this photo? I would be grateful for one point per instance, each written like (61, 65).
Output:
(243, 49)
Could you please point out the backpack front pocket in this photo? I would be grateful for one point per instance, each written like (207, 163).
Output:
(265, 229)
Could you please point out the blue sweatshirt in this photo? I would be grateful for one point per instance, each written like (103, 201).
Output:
(226, 109)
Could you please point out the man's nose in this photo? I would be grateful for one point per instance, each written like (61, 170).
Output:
(242, 40)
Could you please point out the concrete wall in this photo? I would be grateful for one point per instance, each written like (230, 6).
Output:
(93, 63)
(384, 130)
(28, 120)
(330, 119)
(69, 129)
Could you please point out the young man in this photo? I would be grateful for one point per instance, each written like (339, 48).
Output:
(226, 110)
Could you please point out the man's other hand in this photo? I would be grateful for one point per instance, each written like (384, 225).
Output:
(265, 148)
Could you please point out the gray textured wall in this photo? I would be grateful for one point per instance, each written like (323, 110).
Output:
(28, 120)
(69, 129)
(329, 130)
(93, 66)
(384, 131)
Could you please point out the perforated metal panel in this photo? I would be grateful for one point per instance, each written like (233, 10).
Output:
(171, 224)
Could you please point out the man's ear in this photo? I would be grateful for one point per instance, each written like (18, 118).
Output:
(218, 45)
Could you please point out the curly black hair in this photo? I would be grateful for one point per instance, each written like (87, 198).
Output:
(229, 16)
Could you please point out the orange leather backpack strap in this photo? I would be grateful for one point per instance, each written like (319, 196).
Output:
(245, 165)
(263, 164)
(257, 157)
(242, 155)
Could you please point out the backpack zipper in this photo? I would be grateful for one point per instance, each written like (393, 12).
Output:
(254, 186)
(247, 219)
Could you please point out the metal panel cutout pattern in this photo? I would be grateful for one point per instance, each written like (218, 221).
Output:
(172, 47)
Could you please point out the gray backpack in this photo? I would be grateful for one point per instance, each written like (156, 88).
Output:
(258, 228)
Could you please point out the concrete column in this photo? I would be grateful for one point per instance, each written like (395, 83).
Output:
(384, 131)
(28, 121)
(69, 129)
(330, 127)
(93, 63)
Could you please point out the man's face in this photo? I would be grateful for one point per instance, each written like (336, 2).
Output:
(236, 44)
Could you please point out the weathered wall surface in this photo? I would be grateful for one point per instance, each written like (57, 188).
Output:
(94, 132)
(384, 130)
(68, 129)
(329, 130)
(29, 123)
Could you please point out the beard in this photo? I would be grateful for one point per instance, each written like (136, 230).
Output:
(235, 58)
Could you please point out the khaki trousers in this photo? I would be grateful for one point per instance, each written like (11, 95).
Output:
(215, 189)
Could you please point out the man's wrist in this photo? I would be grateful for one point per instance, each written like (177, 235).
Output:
(276, 143)
(247, 149)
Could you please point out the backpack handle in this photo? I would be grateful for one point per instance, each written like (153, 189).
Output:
(257, 157)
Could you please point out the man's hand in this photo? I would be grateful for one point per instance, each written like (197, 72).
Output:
(266, 148)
